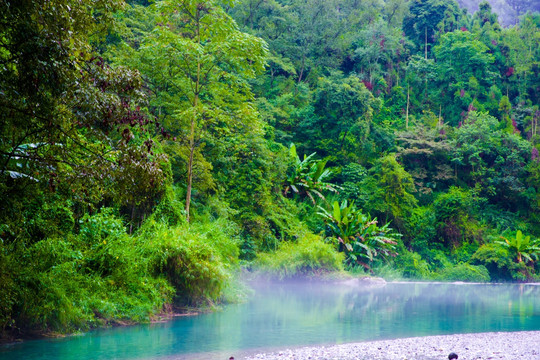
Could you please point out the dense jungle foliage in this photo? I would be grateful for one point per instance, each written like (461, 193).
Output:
(151, 151)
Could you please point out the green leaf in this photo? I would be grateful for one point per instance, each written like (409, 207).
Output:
(337, 212)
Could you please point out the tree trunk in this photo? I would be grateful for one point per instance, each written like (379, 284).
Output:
(407, 110)
(425, 44)
(190, 162)
(193, 122)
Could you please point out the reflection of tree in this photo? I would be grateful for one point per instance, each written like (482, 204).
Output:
(340, 313)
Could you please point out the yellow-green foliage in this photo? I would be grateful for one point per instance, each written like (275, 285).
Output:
(412, 265)
(198, 259)
(103, 275)
(68, 285)
(500, 262)
(464, 272)
(310, 255)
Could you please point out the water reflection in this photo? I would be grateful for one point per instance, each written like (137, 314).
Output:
(286, 315)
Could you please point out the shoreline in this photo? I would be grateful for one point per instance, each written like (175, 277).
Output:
(168, 314)
(522, 345)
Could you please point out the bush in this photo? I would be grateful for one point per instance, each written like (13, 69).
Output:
(69, 284)
(169, 208)
(412, 265)
(464, 272)
(386, 271)
(95, 228)
(423, 231)
(498, 260)
(199, 260)
(310, 255)
(10, 293)
(464, 252)
(454, 217)
(104, 275)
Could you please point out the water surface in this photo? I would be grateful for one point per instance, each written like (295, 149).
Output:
(297, 314)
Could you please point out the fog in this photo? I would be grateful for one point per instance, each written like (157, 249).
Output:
(284, 315)
(507, 10)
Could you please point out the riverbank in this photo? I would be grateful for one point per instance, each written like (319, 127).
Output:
(482, 346)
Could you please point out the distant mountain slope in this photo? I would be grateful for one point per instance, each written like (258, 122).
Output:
(508, 10)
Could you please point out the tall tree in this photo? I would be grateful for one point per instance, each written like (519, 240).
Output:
(379, 49)
(424, 152)
(196, 61)
(392, 191)
(426, 18)
(492, 160)
(342, 119)
(464, 67)
(69, 120)
(523, 43)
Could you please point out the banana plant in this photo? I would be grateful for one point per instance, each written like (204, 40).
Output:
(359, 235)
(524, 247)
(308, 177)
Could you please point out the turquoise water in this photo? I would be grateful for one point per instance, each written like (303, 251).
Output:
(290, 315)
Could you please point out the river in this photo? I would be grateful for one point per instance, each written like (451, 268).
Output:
(282, 315)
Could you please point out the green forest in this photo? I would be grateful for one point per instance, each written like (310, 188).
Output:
(152, 153)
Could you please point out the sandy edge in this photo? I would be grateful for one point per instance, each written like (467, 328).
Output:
(523, 345)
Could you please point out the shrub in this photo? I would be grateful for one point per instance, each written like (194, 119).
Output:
(464, 252)
(499, 262)
(412, 265)
(77, 282)
(310, 255)
(464, 272)
(56, 289)
(199, 260)
(423, 231)
(454, 221)
(10, 294)
(358, 235)
(95, 228)
(169, 208)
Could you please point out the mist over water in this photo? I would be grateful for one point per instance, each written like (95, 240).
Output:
(300, 313)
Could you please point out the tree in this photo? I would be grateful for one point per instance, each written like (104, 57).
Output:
(71, 122)
(484, 15)
(395, 11)
(43, 47)
(313, 35)
(523, 44)
(197, 61)
(420, 72)
(379, 49)
(392, 191)
(424, 153)
(491, 160)
(343, 110)
(454, 218)
(461, 56)
(464, 73)
(424, 20)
